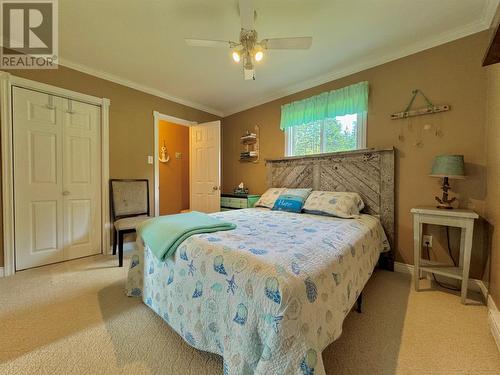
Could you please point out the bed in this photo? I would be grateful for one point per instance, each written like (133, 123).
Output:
(271, 294)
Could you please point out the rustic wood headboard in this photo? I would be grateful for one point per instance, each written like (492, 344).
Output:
(370, 173)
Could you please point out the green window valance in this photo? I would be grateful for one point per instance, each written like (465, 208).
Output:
(347, 100)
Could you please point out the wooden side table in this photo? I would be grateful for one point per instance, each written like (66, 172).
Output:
(461, 218)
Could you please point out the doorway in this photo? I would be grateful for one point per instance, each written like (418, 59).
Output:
(173, 167)
(187, 165)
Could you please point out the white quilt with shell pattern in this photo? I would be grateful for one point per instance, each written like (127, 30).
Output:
(268, 296)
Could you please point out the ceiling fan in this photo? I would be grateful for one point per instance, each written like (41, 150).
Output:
(250, 49)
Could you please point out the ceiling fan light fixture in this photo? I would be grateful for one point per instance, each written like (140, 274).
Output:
(236, 56)
(259, 55)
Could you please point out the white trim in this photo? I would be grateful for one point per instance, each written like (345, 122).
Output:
(8, 80)
(403, 268)
(105, 214)
(362, 130)
(1, 272)
(137, 86)
(157, 116)
(360, 135)
(491, 304)
(53, 90)
(7, 181)
(494, 320)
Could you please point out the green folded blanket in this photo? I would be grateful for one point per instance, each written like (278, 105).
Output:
(164, 234)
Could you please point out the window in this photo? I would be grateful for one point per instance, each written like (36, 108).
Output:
(332, 121)
(342, 133)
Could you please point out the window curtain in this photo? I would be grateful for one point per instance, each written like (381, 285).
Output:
(347, 100)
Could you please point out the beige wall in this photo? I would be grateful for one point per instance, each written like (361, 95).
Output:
(131, 119)
(174, 175)
(492, 211)
(448, 74)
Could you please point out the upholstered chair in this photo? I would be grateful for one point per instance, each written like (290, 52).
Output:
(129, 207)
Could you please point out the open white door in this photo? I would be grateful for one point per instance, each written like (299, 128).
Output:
(204, 165)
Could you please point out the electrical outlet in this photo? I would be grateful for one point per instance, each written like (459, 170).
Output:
(427, 240)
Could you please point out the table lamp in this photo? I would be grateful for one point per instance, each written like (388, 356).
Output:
(446, 167)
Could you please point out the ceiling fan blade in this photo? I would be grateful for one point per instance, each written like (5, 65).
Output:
(247, 13)
(287, 43)
(210, 43)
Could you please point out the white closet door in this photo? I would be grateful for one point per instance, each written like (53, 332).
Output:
(81, 179)
(37, 178)
(57, 180)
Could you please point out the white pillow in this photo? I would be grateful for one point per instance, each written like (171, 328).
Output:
(332, 203)
(269, 197)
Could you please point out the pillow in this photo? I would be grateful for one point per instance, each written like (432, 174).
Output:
(269, 197)
(341, 204)
(291, 200)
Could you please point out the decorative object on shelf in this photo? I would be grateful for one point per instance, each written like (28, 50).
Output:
(164, 156)
(429, 109)
(250, 143)
(241, 189)
(446, 167)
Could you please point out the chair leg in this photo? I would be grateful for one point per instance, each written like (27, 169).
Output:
(115, 240)
(120, 249)
(359, 302)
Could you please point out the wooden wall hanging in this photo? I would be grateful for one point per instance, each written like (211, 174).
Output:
(429, 109)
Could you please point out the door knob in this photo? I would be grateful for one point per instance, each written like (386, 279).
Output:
(65, 192)
(215, 188)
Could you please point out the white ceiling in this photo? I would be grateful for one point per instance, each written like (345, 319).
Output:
(141, 43)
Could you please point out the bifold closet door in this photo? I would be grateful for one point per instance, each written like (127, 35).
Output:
(81, 179)
(56, 178)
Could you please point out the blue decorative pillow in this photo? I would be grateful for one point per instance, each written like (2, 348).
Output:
(291, 200)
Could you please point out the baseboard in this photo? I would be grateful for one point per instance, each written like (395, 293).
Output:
(403, 268)
(2, 274)
(494, 321)
(474, 284)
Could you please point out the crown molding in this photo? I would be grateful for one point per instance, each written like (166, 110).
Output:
(483, 23)
(136, 86)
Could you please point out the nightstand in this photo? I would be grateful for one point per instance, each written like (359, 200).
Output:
(460, 218)
(237, 201)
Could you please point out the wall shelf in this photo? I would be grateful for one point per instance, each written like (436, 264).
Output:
(250, 152)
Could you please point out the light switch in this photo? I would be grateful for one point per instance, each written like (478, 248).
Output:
(150, 159)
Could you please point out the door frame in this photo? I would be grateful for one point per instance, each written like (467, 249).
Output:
(157, 117)
(7, 81)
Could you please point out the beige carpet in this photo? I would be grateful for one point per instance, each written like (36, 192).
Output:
(73, 318)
